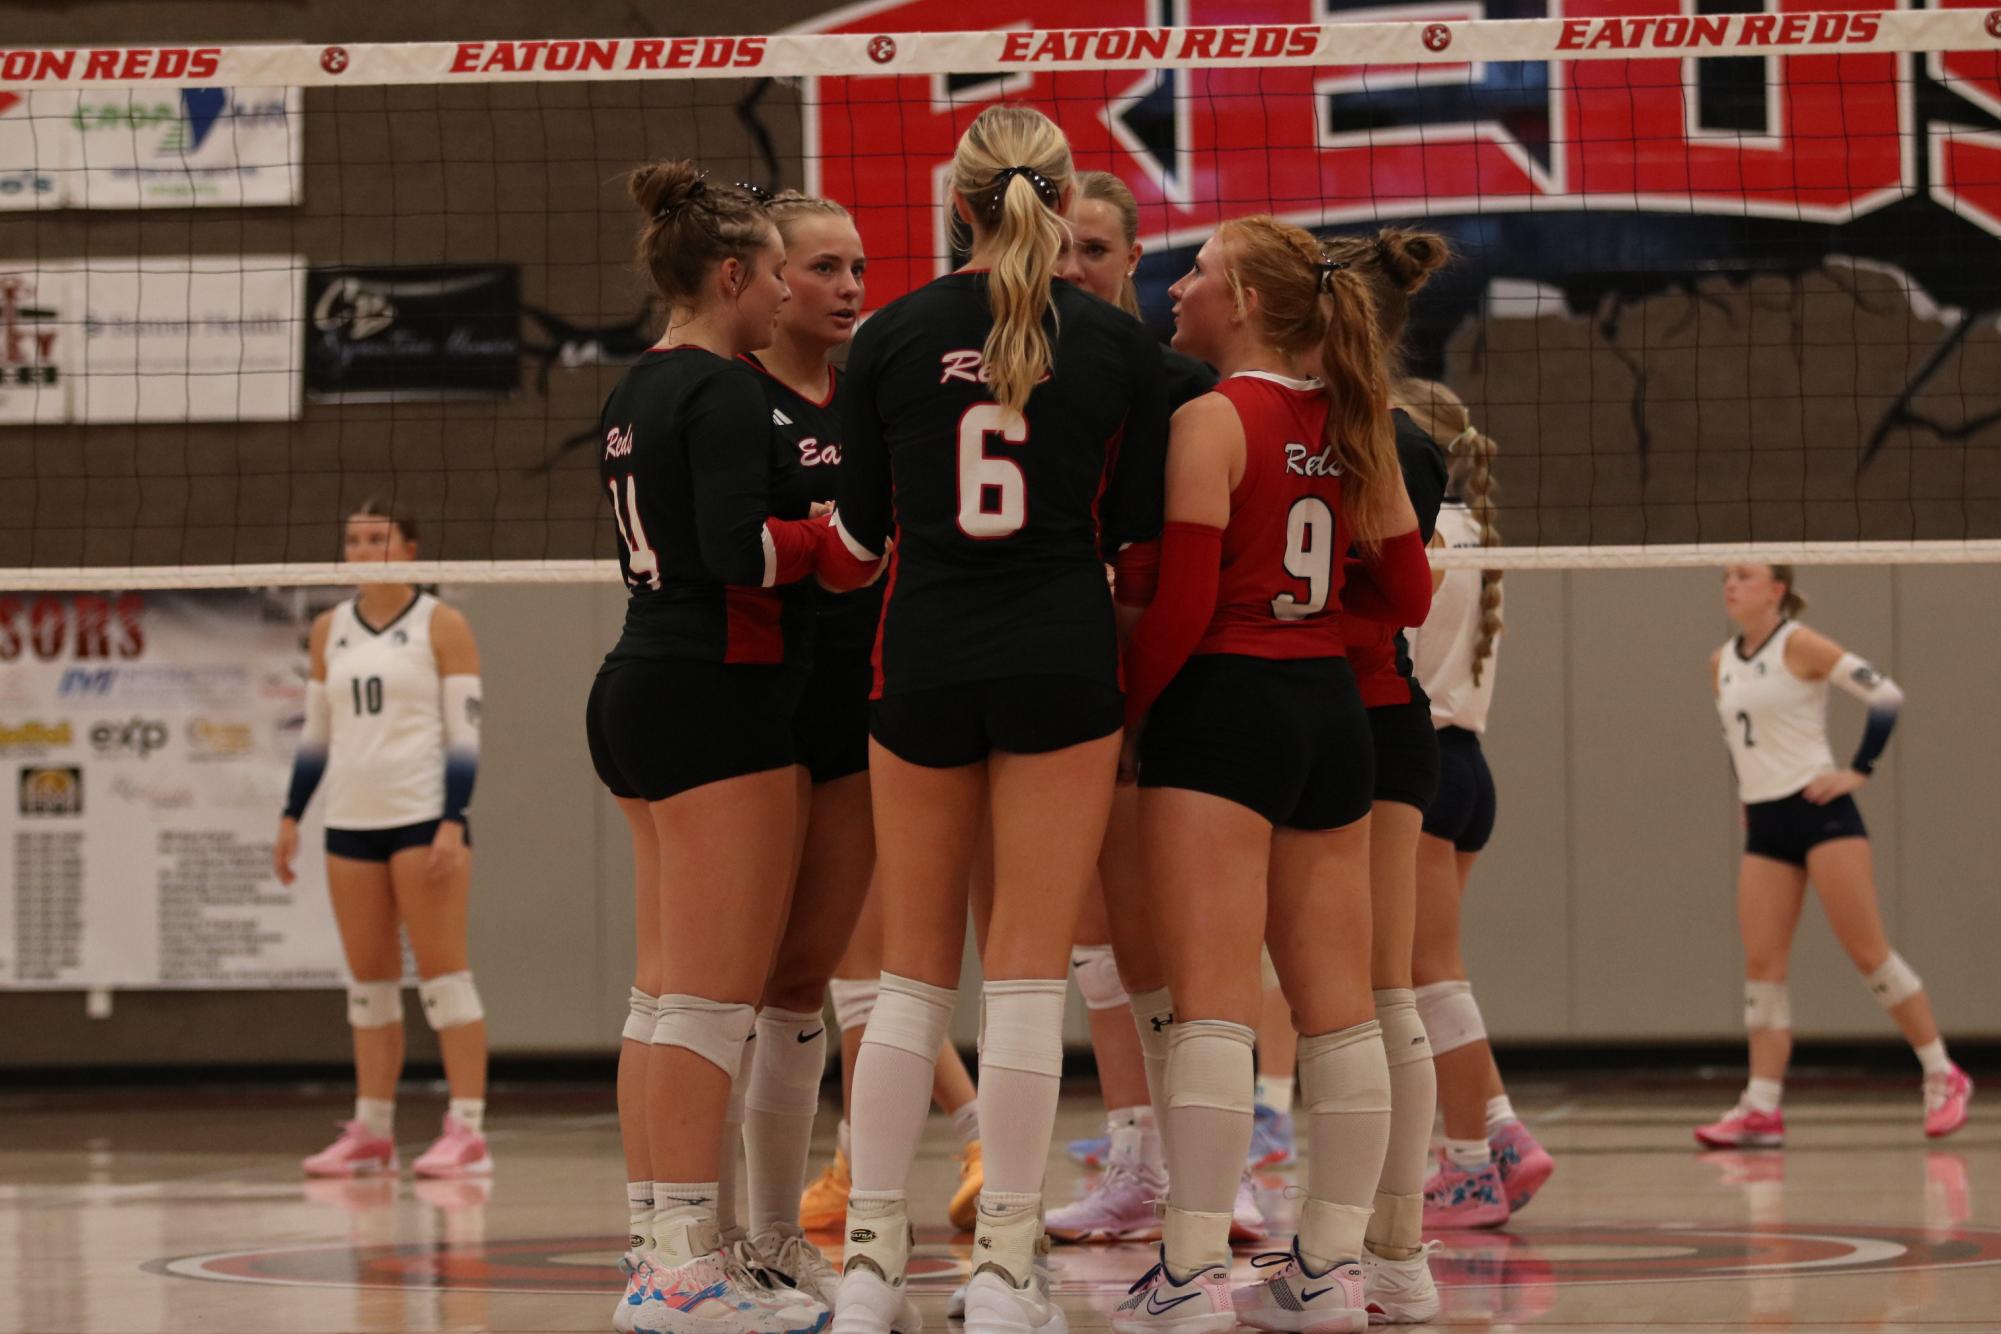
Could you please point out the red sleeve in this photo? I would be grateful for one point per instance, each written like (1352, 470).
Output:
(792, 549)
(1137, 573)
(1191, 568)
(1395, 588)
(843, 563)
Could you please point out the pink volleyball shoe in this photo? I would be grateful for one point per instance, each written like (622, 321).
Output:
(1524, 1164)
(1946, 1097)
(456, 1153)
(357, 1153)
(1744, 1128)
(1463, 1198)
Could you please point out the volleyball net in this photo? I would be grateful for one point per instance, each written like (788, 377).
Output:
(1727, 280)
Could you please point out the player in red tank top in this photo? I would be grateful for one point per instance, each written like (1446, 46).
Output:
(1255, 766)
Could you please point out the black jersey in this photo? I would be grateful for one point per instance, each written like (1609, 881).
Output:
(1423, 465)
(688, 461)
(806, 445)
(1187, 379)
(1002, 521)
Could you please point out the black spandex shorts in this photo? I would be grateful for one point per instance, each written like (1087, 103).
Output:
(1020, 715)
(1788, 829)
(830, 726)
(660, 726)
(379, 845)
(1463, 811)
(1287, 739)
(1406, 753)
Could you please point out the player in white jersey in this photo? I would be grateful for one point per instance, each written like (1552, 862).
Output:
(392, 725)
(1801, 825)
(1489, 1165)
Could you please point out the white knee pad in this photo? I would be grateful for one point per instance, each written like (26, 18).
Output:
(910, 1016)
(1451, 1016)
(854, 1002)
(374, 1004)
(1345, 1071)
(713, 1030)
(450, 1000)
(1209, 1065)
(1098, 978)
(1153, 1016)
(645, 1013)
(1404, 1038)
(1894, 983)
(1766, 1005)
(1021, 1025)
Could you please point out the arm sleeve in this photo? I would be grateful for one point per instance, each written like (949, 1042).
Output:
(729, 472)
(1137, 575)
(1191, 569)
(1883, 698)
(1395, 588)
(309, 762)
(1136, 489)
(862, 499)
(460, 707)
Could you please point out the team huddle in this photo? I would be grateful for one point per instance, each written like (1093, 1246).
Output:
(1109, 647)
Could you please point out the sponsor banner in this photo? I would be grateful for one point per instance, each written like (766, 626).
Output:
(874, 39)
(38, 335)
(153, 147)
(146, 743)
(182, 147)
(178, 339)
(29, 177)
(421, 332)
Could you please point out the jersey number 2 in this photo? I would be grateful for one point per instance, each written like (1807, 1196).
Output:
(1309, 555)
(993, 493)
(1745, 719)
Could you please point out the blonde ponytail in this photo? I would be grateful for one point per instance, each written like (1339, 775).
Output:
(1013, 168)
(1469, 466)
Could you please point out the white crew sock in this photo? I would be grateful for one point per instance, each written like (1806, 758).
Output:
(1499, 1110)
(1762, 1095)
(1933, 1058)
(1275, 1093)
(471, 1113)
(377, 1116)
(1470, 1154)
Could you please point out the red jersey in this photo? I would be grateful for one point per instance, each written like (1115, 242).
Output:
(1283, 549)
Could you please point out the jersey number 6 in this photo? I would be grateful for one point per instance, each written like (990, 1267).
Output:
(1309, 555)
(993, 493)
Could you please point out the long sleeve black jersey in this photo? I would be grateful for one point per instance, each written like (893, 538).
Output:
(689, 462)
(806, 453)
(1001, 521)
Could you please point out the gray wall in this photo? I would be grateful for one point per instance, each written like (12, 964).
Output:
(1605, 908)
(1603, 912)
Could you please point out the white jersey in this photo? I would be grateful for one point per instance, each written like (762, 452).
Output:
(386, 736)
(1441, 650)
(1774, 723)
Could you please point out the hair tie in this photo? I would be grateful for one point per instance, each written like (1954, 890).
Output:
(1328, 268)
(1469, 433)
(694, 192)
(1045, 190)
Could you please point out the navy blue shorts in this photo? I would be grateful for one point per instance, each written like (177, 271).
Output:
(1788, 829)
(1463, 811)
(379, 845)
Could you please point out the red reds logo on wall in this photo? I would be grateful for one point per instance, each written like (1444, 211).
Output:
(334, 59)
(882, 50)
(1235, 137)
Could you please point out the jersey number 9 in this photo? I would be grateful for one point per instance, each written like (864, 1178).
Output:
(993, 493)
(1309, 555)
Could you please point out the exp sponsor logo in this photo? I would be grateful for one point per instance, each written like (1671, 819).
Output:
(212, 739)
(134, 737)
(51, 790)
(35, 735)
